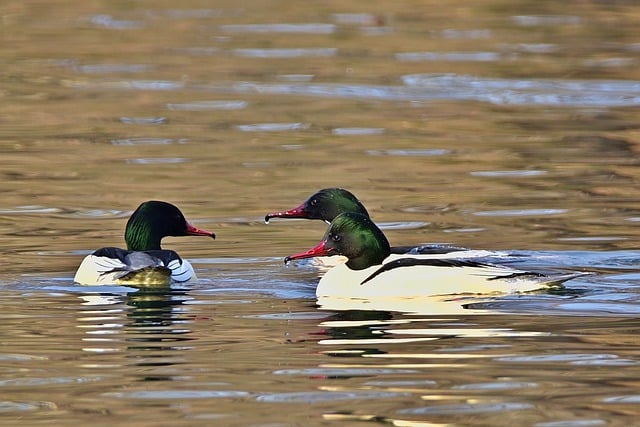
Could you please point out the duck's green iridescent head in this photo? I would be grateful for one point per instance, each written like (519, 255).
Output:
(154, 220)
(354, 236)
(326, 204)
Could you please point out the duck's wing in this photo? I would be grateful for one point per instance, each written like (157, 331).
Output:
(427, 249)
(495, 272)
(122, 263)
(181, 269)
(110, 260)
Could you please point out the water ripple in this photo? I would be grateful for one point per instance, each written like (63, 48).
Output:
(449, 56)
(509, 173)
(423, 87)
(113, 68)
(522, 212)
(551, 20)
(324, 396)
(427, 152)
(156, 161)
(342, 372)
(467, 408)
(143, 141)
(310, 28)
(107, 21)
(272, 127)
(285, 52)
(179, 394)
(572, 423)
(208, 105)
(9, 406)
(634, 399)
(357, 131)
(143, 120)
(429, 87)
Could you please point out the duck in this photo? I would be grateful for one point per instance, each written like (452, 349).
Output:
(373, 271)
(327, 203)
(144, 262)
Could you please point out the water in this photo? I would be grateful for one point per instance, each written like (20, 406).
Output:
(498, 125)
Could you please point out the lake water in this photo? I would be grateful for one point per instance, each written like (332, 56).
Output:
(490, 124)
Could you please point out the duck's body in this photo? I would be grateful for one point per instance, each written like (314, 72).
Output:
(425, 275)
(372, 271)
(144, 262)
(142, 268)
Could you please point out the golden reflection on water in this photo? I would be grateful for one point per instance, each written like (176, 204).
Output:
(232, 111)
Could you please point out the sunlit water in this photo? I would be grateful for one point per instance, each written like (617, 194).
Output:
(501, 125)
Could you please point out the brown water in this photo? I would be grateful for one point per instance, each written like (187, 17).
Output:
(488, 124)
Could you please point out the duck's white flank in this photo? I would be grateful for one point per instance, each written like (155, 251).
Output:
(421, 280)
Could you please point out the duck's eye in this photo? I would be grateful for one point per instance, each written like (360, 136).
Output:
(313, 202)
(336, 237)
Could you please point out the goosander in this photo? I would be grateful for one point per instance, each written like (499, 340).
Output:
(144, 262)
(373, 271)
(328, 203)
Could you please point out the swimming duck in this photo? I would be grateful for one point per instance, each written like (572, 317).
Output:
(328, 203)
(373, 271)
(144, 262)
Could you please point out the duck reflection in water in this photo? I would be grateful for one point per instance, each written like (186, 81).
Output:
(150, 324)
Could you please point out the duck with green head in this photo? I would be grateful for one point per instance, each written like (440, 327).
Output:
(328, 203)
(371, 270)
(144, 262)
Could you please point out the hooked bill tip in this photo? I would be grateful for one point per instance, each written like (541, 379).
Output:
(287, 260)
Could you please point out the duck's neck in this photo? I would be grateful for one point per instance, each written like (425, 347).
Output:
(376, 251)
(138, 238)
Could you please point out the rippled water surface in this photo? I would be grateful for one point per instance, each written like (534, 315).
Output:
(508, 126)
